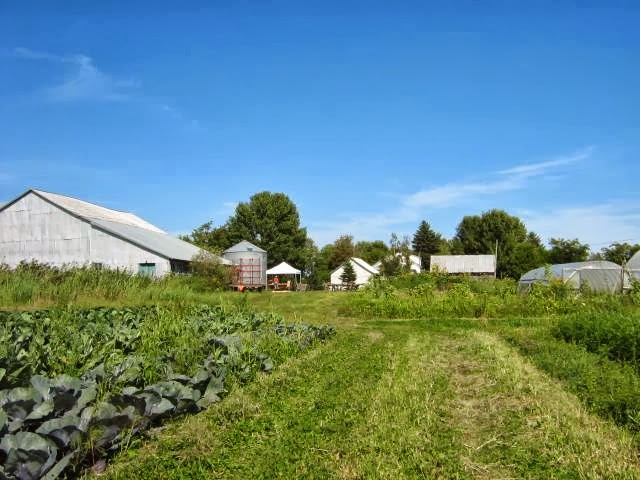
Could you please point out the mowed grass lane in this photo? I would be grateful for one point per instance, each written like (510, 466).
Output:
(391, 399)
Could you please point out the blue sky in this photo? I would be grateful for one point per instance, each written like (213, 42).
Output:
(370, 115)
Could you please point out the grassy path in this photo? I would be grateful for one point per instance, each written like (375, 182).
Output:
(393, 400)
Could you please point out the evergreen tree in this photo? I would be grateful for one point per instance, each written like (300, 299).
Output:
(426, 242)
(348, 275)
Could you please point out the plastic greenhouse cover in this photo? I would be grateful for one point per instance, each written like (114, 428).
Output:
(565, 270)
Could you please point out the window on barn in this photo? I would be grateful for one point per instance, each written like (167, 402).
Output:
(147, 269)
(179, 266)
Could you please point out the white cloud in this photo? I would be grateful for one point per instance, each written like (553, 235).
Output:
(412, 207)
(598, 225)
(84, 81)
(514, 178)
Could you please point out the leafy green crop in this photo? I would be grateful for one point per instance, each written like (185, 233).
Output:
(85, 381)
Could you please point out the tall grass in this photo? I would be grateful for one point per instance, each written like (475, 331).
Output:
(32, 284)
(441, 296)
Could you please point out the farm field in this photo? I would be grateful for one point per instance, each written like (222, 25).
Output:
(398, 398)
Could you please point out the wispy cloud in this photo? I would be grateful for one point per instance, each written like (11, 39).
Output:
(84, 80)
(514, 178)
(412, 207)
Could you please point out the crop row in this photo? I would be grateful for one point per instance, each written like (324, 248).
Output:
(51, 422)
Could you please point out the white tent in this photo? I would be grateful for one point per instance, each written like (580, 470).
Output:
(285, 269)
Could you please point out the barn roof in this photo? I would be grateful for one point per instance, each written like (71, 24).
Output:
(244, 246)
(124, 225)
(361, 263)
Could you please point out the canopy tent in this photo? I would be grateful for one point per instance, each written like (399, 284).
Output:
(285, 269)
(600, 276)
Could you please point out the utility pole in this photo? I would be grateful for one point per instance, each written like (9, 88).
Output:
(495, 267)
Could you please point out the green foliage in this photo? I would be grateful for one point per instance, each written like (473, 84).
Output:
(371, 252)
(272, 222)
(102, 375)
(37, 284)
(427, 242)
(518, 251)
(607, 387)
(348, 275)
(567, 251)
(613, 334)
(435, 295)
(207, 269)
(340, 251)
(211, 238)
(620, 253)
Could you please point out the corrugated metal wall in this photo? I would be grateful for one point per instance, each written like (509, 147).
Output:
(33, 229)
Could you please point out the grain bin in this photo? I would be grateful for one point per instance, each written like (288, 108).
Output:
(249, 265)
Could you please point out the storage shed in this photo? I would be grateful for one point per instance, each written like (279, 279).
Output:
(363, 271)
(249, 265)
(599, 276)
(464, 264)
(58, 230)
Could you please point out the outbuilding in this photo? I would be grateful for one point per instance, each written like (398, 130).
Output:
(59, 230)
(362, 269)
(464, 264)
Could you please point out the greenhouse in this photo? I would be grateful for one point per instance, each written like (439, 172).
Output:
(634, 266)
(599, 276)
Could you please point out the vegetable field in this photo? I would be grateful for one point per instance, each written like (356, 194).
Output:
(78, 384)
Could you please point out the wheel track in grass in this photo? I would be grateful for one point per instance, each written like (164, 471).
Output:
(519, 423)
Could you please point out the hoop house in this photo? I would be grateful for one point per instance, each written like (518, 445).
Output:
(634, 267)
(599, 276)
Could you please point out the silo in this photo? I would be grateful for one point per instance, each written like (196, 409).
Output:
(249, 264)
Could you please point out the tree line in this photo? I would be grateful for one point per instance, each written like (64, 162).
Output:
(272, 222)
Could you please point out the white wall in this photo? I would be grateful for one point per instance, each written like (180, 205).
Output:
(362, 275)
(113, 252)
(34, 229)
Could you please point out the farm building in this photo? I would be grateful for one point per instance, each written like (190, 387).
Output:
(415, 265)
(58, 230)
(249, 265)
(599, 276)
(464, 264)
(363, 271)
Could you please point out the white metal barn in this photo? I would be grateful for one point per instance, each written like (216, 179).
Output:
(464, 264)
(58, 230)
(363, 270)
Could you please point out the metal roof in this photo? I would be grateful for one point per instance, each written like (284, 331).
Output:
(161, 243)
(365, 265)
(124, 225)
(90, 210)
(244, 246)
(464, 263)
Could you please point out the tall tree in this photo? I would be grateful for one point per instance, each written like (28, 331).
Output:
(343, 249)
(620, 252)
(426, 242)
(528, 255)
(209, 237)
(479, 234)
(371, 252)
(348, 274)
(567, 251)
(272, 222)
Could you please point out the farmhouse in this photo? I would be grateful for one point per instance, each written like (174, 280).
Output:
(58, 230)
(363, 271)
(464, 264)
